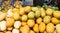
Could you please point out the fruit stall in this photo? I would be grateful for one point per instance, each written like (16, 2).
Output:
(29, 19)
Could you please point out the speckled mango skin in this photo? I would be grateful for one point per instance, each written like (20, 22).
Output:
(50, 28)
(42, 27)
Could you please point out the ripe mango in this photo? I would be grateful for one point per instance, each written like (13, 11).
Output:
(50, 28)
(46, 19)
(42, 27)
(35, 28)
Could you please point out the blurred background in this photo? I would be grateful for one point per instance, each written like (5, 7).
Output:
(30, 2)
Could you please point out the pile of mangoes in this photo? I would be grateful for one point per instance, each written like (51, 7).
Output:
(30, 20)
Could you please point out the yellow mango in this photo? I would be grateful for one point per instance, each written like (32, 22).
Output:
(15, 10)
(43, 14)
(39, 20)
(50, 28)
(35, 28)
(22, 12)
(54, 20)
(37, 13)
(46, 19)
(27, 9)
(42, 27)
(24, 29)
(16, 16)
(24, 17)
(31, 23)
(58, 28)
(49, 11)
(23, 23)
(9, 22)
(2, 16)
(56, 14)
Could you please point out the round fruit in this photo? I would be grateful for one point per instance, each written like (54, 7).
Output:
(43, 14)
(2, 25)
(35, 28)
(24, 29)
(49, 11)
(39, 20)
(46, 19)
(56, 14)
(16, 16)
(27, 9)
(9, 22)
(17, 24)
(31, 23)
(24, 18)
(37, 14)
(42, 27)
(15, 10)
(23, 23)
(54, 20)
(31, 15)
(2, 16)
(58, 28)
(34, 8)
(22, 12)
(50, 28)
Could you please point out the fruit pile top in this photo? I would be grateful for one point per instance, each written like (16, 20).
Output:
(6, 6)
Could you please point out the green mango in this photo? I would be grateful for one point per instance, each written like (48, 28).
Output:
(37, 14)
(31, 15)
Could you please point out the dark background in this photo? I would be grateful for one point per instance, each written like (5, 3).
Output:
(53, 3)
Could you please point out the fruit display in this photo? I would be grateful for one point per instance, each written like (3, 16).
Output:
(30, 19)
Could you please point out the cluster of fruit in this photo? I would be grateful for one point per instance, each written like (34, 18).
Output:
(6, 5)
(30, 20)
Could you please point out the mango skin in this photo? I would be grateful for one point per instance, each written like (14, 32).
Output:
(56, 14)
(54, 20)
(35, 28)
(46, 19)
(43, 14)
(58, 28)
(39, 20)
(37, 13)
(16, 16)
(42, 27)
(31, 15)
(50, 28)
(30, 23)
